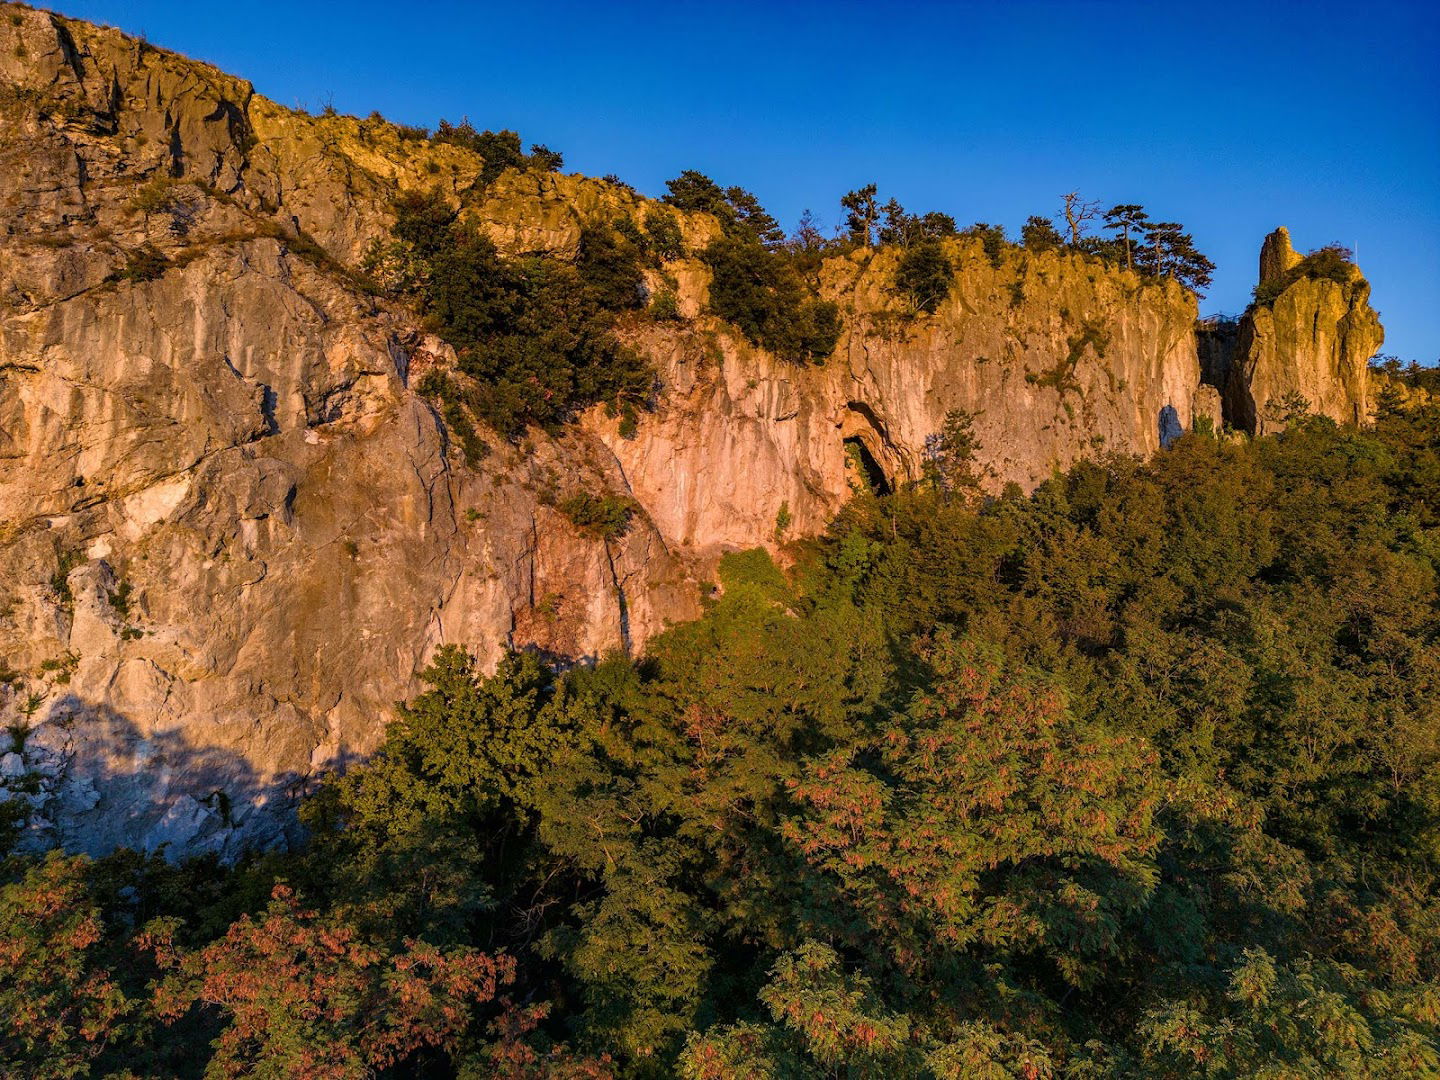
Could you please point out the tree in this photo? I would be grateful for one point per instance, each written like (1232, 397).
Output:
(60, 1004)
(1172, 253)
(693, 190)
(739, 211)
(307, 997)
(950, 457)
(862, 213)
(663, 232)
(543, 159)
(976, 814)
(765, 297)
(1077, 212)
(925, 275)
(1129, 220)
(500, 149)
(1038, 234)
(752, 219)
(992, 240)
(899, 227)
(808, 238)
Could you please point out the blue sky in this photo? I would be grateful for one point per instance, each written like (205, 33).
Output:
(1231, 118)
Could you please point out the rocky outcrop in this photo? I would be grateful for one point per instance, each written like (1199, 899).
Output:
(1055, 358)
(231, 532)
(1312, 343)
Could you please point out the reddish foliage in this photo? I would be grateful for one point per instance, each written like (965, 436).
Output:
(58, 1001)
(308, 998)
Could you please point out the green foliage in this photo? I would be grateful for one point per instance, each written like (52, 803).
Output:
(862, 214)
(950, 469)
(145, 263)
(500, 149)
(465, 748)
(1155, 249)
(783, 520)
(904, 228)
(1038, 234)
(535, 333)
(739, 212)
(756, 281)
(59, 1001)
(604, 516)
(665, 306)
(767, 300)
(1135, 776)
(992, 241)
(925, 275)
(664, 235)
(65, 561)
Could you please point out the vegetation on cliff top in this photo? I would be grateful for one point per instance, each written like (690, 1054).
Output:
(533, 336)
(1333, 262)
(1133, 777)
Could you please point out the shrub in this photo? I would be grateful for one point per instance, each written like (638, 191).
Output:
(500, 149)
(606, 517)
(1038, 234)
(664, 235)
(992, 239)
(665, 306)
(145, 263)
(765, 297)
(536, 332)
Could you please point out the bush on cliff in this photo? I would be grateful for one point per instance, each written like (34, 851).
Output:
(536, 332)
(768, 301)
(756, 280)
(925, 275)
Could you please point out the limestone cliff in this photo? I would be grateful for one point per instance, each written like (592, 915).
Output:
(231, 533)
(1313, 341)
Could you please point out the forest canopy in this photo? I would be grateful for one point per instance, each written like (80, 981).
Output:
(1135, 776)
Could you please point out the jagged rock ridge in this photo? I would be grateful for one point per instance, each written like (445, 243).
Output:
(231, 532)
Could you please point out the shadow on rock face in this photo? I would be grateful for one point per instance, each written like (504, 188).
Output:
(95, 782)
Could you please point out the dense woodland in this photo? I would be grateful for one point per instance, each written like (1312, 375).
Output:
(1131, 777)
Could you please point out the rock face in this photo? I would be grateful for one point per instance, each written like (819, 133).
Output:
(231, 533)
(1313, 342)
(1055, 358)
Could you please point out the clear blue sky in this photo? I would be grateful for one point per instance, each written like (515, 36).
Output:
(1229, 117)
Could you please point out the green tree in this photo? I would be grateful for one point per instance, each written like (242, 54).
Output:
(862, 214)
(1130, 222)
(925, 276)
(1038, 234)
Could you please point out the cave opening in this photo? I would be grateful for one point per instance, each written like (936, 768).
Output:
(865, 471)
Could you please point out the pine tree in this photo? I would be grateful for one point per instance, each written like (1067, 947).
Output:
(1129, 220)
(1039, 234)
(862, 214)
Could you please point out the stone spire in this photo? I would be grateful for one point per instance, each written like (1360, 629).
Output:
(1276, 255)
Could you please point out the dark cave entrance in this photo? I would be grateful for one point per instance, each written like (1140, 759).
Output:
(865, 471)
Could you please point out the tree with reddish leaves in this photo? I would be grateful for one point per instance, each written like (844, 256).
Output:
(60, 1004)
(307, 998)
(985, 814)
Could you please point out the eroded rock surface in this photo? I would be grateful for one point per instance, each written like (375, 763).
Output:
(1313, 343)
